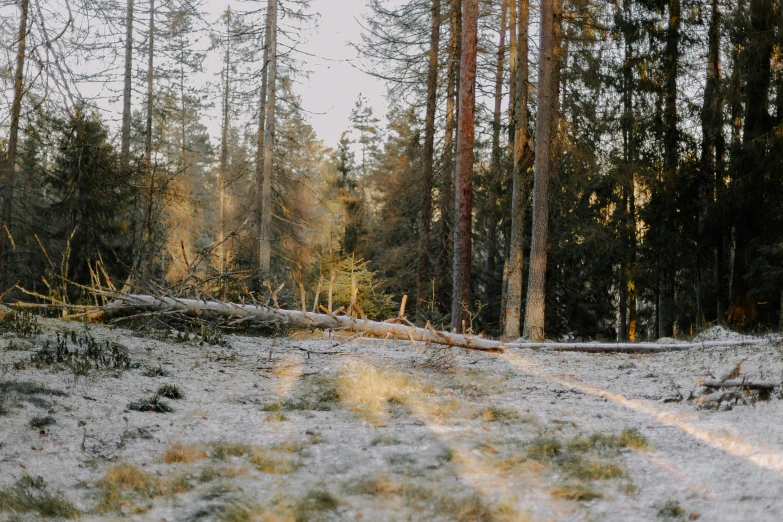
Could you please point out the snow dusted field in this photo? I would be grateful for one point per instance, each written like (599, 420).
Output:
(328, 427)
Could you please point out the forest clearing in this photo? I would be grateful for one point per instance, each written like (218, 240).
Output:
(197, 425)
(430, 260)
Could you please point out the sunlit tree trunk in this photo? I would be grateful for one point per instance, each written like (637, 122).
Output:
(428, 174)
(460, 306)
(265, 248)
(13, 143)
(547, 100)
(522, 157)
(260, 144)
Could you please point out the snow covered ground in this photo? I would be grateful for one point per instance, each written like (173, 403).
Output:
(313, 428)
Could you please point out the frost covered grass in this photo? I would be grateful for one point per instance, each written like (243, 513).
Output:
(368, 430)
(30, 496)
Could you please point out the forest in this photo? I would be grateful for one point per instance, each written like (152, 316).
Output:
(566, 170)
(543, 281)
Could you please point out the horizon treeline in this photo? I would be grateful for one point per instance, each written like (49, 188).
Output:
(563, 169)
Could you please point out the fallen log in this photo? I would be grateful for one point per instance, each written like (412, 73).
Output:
(721, 396)
(739, 383)
(300, 319)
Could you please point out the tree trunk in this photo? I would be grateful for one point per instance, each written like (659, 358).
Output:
(712, 132)
(495, 174)
(309, 320)
(223, 172)
(670, 153)
(464, 176)
(547, 99)
(265, 249)
(428, 174)
(750, 184)
(126, 91)
(13, 143)
(512, 313)
(150, 77)
(512, 72)
(260, 144)
(447, 181)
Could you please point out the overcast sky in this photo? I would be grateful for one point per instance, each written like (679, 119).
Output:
(334, 85)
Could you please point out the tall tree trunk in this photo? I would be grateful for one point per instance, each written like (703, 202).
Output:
(513, 302)
(628, 232)
(750, 184)
(446, 202)
(150, 78)
(670, 153)
(223, 173)
(13, 144)
(495, 174)
(265, 249)
(126, 91)
(428, 174)
(547, 100)
(512, 71)
(464, 177)
(712, 133)
(260, 145)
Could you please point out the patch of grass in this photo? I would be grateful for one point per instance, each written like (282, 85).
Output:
(151, 404)
(223, 450)
(574, 491)
(464, 508)
(170, 391)
(40, 423)
(136, 433)
(373, 485)
(124, 483)
(30, 497)
(22, 323)
(495, 414)
(368, 390)
(320, 395)
(384, 440)
(584, 461)
(156, 371)
(292, 446)
(671, 510)
(180, 453)
(81, 354)
(314, 504)
(212, 473)
(277, 416)
(275, 406)
(265, 462)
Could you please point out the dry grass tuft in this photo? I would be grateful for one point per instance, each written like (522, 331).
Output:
(223, 450)
(373, 485)
(124, 483)
(265, 462)
(368, 390)
(179, 453)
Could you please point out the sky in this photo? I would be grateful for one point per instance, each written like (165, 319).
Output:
(335, 82)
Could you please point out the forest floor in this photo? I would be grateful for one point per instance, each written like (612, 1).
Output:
(305, 428)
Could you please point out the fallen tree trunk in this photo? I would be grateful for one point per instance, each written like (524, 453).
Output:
(298, 319)
(739, 383)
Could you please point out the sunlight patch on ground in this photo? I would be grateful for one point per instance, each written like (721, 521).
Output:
(735, 445)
